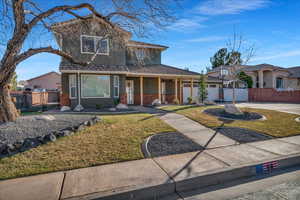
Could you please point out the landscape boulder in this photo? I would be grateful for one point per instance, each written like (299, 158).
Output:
(50, 137)
(112, 109)
(79, 108)
(122, 106)
(156, 102)
(65, 108)
(232, 109)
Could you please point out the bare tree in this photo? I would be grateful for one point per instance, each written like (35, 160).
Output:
(240, 53)
(23, 20)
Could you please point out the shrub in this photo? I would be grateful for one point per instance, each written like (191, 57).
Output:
(176, 101)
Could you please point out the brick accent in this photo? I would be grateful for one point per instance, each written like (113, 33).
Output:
(65, 100)
(123, 98)
(170, 98)
(137, 99)
(149, 98)
(272, 95)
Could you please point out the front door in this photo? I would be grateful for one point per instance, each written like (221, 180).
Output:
(163, 91)
(129, 91)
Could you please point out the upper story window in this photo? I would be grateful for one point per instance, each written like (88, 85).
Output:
(94, 44)
(224, 72)
(140, 54)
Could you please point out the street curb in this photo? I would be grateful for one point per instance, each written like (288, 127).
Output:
(236, 172)
(202, 180)
(148, 193)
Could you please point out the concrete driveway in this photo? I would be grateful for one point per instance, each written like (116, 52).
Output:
(283, 107)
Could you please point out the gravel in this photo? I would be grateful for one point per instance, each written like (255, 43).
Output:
(163, 144)
(220, 112)
(38, 125)
(243, 135)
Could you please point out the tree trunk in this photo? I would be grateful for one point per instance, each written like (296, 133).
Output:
(8, 111)
(233, 93)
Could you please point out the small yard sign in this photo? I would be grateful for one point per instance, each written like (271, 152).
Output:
(267, 167)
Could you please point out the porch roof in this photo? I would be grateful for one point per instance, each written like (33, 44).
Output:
(156, 70)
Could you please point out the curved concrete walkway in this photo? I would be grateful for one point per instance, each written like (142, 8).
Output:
(205, 137)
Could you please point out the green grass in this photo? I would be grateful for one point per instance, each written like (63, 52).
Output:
(278, 124)
(117, 138)
(30, 113)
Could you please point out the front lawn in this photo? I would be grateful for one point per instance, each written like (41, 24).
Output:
(117, 138)
(278, 124)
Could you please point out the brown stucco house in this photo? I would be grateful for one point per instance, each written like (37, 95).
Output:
(265, 75)
(122, 70)
(48, 81)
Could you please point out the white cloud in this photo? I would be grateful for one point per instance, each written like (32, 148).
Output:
(188, 24)
(221, 7)
(278, 55)
(207, 39)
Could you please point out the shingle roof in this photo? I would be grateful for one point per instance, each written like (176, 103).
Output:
(250, 68)
(130, 69)
(295, 72)
(150, 45)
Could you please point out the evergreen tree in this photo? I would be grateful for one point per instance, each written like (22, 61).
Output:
(202, 87)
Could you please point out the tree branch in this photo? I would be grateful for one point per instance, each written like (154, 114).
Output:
(67, 9)
(31, 52)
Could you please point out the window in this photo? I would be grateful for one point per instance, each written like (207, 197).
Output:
(94, 44)
(140, 54)
(279, 83)
(72, 86)
(224, 72)
(116, 86)
(95, 86)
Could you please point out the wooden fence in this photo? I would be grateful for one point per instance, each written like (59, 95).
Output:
(26, 100)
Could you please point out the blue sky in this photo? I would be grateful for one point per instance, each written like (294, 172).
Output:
(203, 27)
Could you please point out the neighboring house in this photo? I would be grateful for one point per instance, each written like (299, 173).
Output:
(123, 70)
(48, 81)
(265, 76)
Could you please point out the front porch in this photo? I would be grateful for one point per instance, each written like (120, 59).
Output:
(143, 90)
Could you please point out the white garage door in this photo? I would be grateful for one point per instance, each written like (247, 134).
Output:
(240, 94)
(212, 94)
(187, 93)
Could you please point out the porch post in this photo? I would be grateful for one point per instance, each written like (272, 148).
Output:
(176, 89)
(192, 84)
(180, 91)
(159, 89)
(142, 90)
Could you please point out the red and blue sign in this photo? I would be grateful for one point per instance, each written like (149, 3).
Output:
(267, 167)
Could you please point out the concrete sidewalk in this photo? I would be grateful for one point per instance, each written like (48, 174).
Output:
(157, 177)
(205, 137)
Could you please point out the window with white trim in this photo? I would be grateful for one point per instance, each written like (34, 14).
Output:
(116, 86)
(95, 86)
(94, 44)
(140, 54)
(72, 86)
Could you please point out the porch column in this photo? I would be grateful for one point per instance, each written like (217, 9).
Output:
(159, 88)
(261, 79)
(192, 84)
(180, 90)
(142, 90)
(273, 80)
(176, 89)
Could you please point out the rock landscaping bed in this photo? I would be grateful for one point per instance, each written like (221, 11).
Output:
(31, 131)
(242, 135)
(220, 112)
(163, 144)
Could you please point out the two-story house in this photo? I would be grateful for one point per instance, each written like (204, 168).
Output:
(121, 69)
